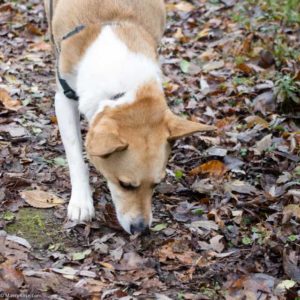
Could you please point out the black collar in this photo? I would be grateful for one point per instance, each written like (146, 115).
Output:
(68, 91)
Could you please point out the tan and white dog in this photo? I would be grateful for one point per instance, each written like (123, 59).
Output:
(107, 60)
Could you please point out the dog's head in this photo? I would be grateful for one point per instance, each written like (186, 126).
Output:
(130, 146)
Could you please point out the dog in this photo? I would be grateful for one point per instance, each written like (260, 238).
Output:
(108, 71)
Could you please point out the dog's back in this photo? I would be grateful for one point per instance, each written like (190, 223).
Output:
(67, 14)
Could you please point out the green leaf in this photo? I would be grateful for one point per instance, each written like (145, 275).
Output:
(293, 238)
(254, 229)
(297, 171)
(159, 227)
(198, 211)
(246, 240)
(184, 66)
(81, 255)
(178, 174)
(36, 130)
(26, 102)
(60, 161)
(286, 284)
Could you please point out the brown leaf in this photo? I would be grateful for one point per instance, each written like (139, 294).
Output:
(291, 210)
(256, 120)
(184, 6)
(11, 279)
(266, 59)
(252, 286)
(6, 7)
(247, 44)
(246, 69)
(33, 29)
(41, 199)
(40, 46)
(176, 250)
(213, 168)
(8, 102)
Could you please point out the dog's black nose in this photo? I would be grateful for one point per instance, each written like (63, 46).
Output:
(138, 226)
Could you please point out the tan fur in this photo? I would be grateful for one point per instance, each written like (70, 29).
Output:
(141, 25)
(141, 125)
(139, 148)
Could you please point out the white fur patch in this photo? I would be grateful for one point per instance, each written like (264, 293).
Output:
(81, 206)
(109, 68)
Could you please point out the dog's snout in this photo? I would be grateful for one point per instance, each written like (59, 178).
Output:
(139, 226)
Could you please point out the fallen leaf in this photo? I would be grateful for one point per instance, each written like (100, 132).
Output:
(14, 130)
(216, 243)
(240, 187)
(285, 177)
(184, 6)
(81, 255)
(203, 186)
(18, 240)
(214, 65)
(208, 225)
(245, 68)
(159, 227)
(131, 261)
(256, 120)
(176, 250)
(286, 285)
(41, 199)
(266, 59)
(289, 211)
(290, 265)
(33, 29)
(263, 145)
(216, 151)
(8, 102)
(11, 278)
(233, 163)
(67, 272)
(265, 102)
(184, 66)
(213, 168)
(250, 286)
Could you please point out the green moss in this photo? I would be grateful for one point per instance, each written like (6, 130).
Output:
(38, 226)
(8, 216)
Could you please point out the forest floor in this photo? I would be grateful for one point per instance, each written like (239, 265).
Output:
(227, 217)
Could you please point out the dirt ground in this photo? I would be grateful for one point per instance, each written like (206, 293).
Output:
(226, 219)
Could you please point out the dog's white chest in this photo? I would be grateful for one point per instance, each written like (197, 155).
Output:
(109, 68)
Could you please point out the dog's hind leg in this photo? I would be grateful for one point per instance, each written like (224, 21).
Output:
(81, 206)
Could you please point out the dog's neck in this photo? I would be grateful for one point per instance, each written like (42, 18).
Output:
(100, 63)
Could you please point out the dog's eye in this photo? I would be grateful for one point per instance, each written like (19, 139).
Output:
(127, 186)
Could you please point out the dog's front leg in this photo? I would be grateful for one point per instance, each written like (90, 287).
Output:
(81, 206)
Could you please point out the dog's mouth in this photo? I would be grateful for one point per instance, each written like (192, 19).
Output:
(134, 225)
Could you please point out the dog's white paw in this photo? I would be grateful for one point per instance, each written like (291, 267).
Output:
(81, 209)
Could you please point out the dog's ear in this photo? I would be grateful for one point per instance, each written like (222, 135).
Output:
(103, 139)
(179, 127)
